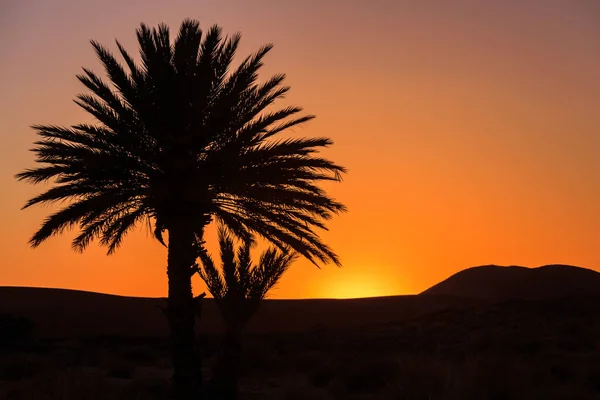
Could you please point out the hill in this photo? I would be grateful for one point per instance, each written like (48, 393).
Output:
(494, 282)
(72, 313)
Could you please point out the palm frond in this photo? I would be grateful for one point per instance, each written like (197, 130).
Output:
(228, 261)
(210, 275)
(187, 46)
(119, 78)
(238, 297)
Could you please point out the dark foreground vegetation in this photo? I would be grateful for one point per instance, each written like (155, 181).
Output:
(536, 349)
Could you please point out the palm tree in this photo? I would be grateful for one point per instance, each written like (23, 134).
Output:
(238, 289)
(182, 138)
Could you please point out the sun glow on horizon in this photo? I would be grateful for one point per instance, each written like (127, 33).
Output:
(354, 286)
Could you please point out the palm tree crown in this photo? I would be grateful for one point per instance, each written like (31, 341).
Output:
(184, 136)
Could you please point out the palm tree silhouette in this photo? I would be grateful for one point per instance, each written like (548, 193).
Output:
(182, 138)
(238, 289)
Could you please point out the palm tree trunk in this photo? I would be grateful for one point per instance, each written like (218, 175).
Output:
(187, 379)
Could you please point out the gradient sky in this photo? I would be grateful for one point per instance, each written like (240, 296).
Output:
(471, 130)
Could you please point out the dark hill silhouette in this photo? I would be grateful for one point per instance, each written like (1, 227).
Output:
(72, 313)
(494, 282)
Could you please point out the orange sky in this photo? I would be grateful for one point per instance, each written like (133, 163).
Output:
(471, 130)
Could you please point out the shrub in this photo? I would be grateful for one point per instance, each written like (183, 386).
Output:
(371, 376)
(528, 348)
(14, 331)
(19, 367)
(308, 361)
(321, 378)
(121, 369)
(562, 373)
(593, 381)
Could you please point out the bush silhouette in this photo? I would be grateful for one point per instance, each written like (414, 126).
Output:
(14, 331)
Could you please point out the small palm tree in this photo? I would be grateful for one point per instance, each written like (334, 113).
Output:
(182, 138)
(238, 289)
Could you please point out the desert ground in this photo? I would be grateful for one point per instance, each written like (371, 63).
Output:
(428, 346)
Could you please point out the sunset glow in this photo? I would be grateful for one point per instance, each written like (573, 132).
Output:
(363, 285)
(471, 131)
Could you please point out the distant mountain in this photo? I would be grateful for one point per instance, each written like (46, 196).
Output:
(515, 282)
